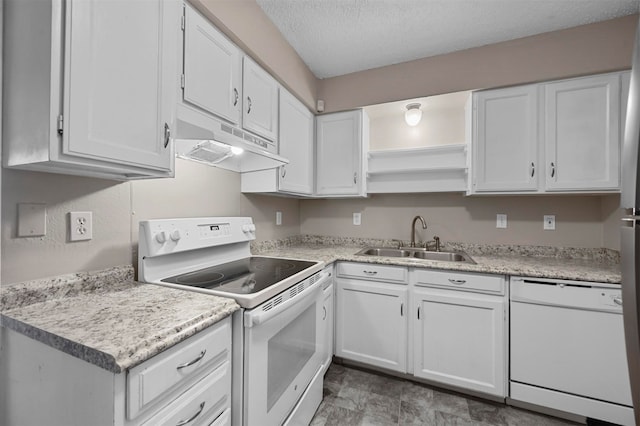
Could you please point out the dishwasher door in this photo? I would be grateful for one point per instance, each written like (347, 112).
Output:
(569, 337)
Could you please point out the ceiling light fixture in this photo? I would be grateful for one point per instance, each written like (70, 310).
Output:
(413, 114)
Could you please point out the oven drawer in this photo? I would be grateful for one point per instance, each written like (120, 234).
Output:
(203, 404)
(178, 366)
(370, 271)
(482, 283)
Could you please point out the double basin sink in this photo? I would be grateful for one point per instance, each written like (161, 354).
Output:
(416, 253)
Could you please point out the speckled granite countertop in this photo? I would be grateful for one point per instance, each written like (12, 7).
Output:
(106, 318)
(595, 265)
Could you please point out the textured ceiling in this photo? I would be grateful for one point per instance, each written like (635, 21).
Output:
(336, 37)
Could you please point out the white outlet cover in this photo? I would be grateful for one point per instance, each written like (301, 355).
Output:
(80, 226)
(549, 222)
(501, 221)
(357, 219)
(278, 218)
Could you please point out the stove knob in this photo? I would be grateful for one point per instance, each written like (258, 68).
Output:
(161, 237)
(248, 228)
(175, 235)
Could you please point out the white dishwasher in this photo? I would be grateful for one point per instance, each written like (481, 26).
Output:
(567, 348)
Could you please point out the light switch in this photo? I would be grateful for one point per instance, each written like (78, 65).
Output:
(278, 218)
(32, 219)
(357, 218)
(501, 221)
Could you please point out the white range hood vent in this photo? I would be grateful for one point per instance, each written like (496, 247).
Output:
(209, 141)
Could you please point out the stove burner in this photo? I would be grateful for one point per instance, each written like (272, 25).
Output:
(244, 276)
(195, 278)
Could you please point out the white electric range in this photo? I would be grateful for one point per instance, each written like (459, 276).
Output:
(277, 343)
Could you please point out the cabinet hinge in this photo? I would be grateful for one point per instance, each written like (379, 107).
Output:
(183, 18)
(182, 23)
(182, 81)
(60, 124)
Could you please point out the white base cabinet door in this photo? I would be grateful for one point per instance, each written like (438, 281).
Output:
(459, 339)
(371, 323)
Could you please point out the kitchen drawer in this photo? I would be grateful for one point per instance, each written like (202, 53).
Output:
(459, 280)
(203, 404)
(183, 363)
(370, 271)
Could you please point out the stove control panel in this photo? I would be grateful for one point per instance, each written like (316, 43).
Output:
(164, 236)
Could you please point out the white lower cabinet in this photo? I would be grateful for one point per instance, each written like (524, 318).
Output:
(459, 334)
(189, 383)
(328, 319)
(371, 321)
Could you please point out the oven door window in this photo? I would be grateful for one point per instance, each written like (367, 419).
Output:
(282, 355)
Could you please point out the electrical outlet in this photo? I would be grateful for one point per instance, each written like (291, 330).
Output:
(278, 218)
(549, 222)
(501, 221)
(80, 226)
(357, 218)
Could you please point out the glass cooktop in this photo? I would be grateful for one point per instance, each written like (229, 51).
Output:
(244, 276)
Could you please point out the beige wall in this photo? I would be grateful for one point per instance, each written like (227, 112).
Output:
(588, 49)
(117, 208)
(437, 127)
(453, 217)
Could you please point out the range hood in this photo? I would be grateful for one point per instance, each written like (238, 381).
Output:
(201, 138)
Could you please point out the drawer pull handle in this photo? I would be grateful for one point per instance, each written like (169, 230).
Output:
(457, 282)
(192, 418)
(190, 363)
(371, 272)
(617, 301)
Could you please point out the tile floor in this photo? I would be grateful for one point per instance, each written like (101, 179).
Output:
(356, 397)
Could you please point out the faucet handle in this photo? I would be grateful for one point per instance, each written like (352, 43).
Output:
(400, 243)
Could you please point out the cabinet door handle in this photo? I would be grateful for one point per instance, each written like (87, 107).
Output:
(190, 363)
(418, 312)
(402, 309)
(457, 282)
(324, 311)
(192, 418)
(553, 169)
(371, 272)
(248, 104)
(167, 134)
(355, 177)
(235, 96)
(284, 172)
(533, 169)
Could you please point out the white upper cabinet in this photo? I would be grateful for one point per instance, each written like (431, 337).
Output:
(212, 69)
(260, 101)
(582, 133)
(506, 146)
(342, 143)
(90, 87)
(296, 145)
(568, 131)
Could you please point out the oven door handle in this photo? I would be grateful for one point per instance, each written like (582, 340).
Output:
(257, 316)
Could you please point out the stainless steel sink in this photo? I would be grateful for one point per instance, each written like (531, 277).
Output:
(416, 253)
(387, 252)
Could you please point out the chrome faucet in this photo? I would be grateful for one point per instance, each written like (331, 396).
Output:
(413, 229)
